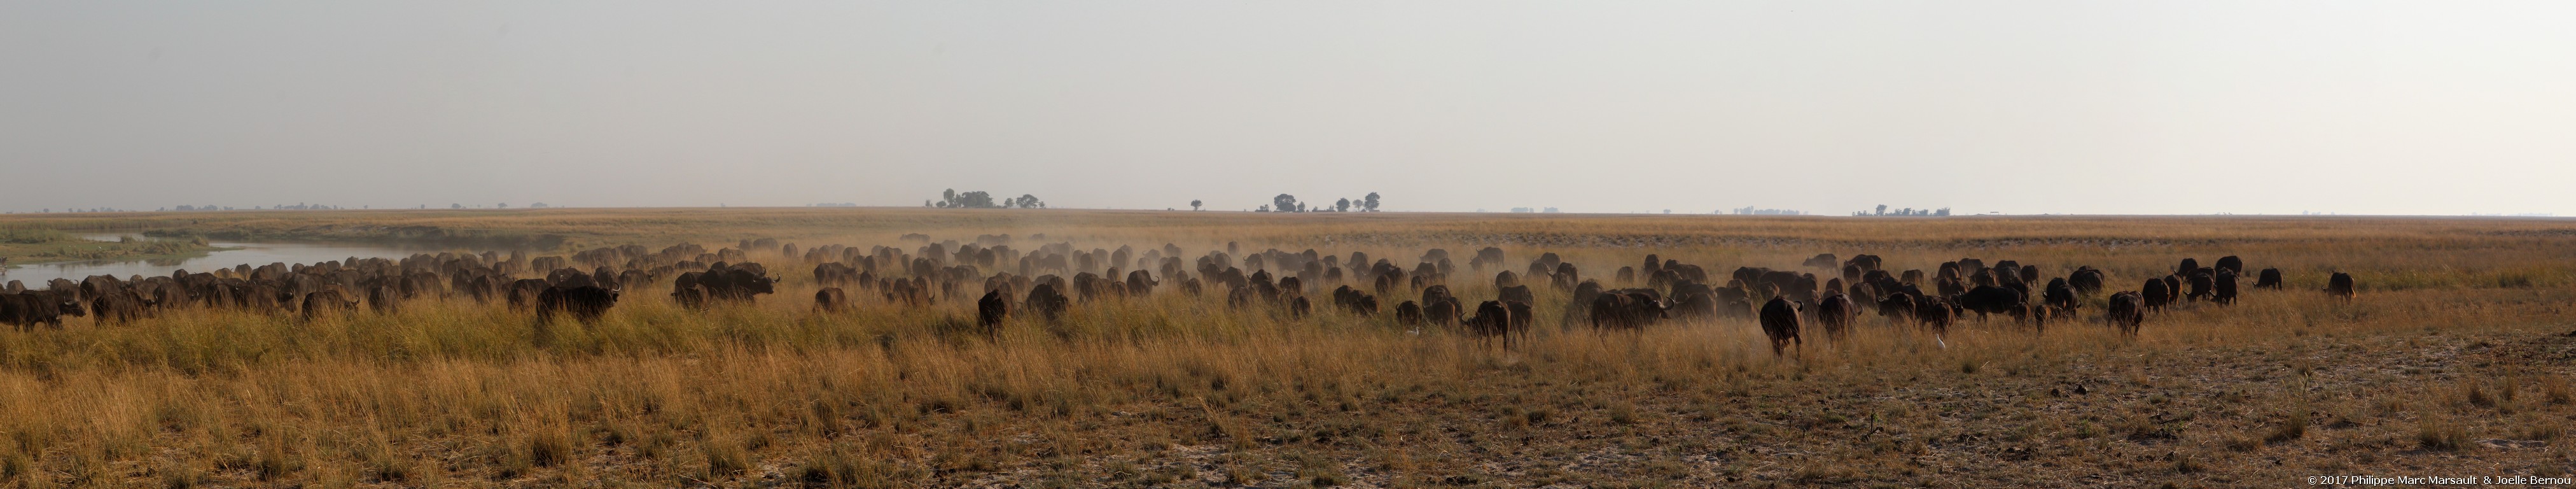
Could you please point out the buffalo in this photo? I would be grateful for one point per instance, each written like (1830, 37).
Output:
(1934, 313)
(690, 296)
(2086, 281)
(2060, 295)
(2340, 286)
(831, 300)
(1521, 318)
(27, 309)
(1492, 320)
(2269, 278)
(1822, 260)
(734, 283)
(2201, 281)
(1625, 310)
(1835, 314)
(2155, 295)
(1408, 313)
(116, 305)
(1897, 307)
(523, 293)
(1049, 303)
(991, 310)
(1780, 323)
(2231, 264)
(1141, 283)
(1991, 300)
(1350, 299)
(835, 274)
(2127, 310)
(586, 303)
(1517, 293)
(326, 301)
(2223, 287)
(1443, 311)
(2173, 287)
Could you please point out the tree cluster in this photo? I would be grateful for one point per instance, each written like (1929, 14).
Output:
(1905, 212)
(1750, 211)
(952, 199)
(1289, 203)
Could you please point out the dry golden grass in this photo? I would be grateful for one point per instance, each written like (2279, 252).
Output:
(2452, 361)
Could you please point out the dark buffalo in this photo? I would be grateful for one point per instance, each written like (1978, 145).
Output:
(1434, 294)
(735, 283)
(2173, 289)
(2223, 287)
(523, 293)
(690, 296)
(1141, 283)
(1934, 313)
(1408, 313)
(116, 305)
(2232, 264)
(831, 300)
(2154, 295)
(1443, 311)
(2086, 280)
(1897, 307)
(2340, 286)
(27, 309)
(2127, 310)
(991, 310)
(1693, 301)
(1522, 319)
(2200, 283)
(1517, 293)
(1822, 260)
(384, 297)
(835, 274)
(2060, 295)
(326, 301)
(2270, 278)
(1867, 263)
(1049, 303)
(1350, 299)
(1835, 314)
(1625, 310)
(1492, 320)
(1991, 300)
(1780, 323)
(263, 297)
(586, 303)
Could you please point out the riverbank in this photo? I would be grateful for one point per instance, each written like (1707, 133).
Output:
(34, 246)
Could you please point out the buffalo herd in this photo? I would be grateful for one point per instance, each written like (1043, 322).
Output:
(1003, 282)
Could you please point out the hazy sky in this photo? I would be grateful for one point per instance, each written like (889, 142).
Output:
(2018, 107)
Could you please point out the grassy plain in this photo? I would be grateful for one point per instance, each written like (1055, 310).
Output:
(2452, 362)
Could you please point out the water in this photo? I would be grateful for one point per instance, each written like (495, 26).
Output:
(253, 254)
